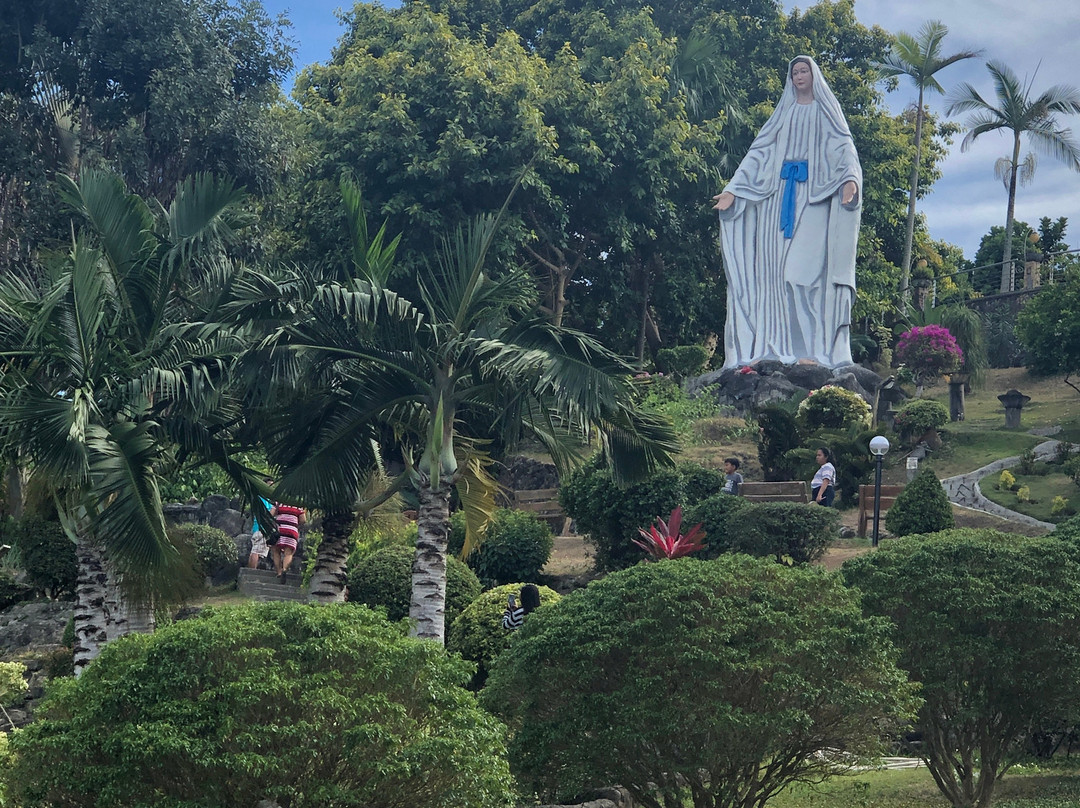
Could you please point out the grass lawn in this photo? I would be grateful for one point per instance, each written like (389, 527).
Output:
(1022, 787)
(1043, 488)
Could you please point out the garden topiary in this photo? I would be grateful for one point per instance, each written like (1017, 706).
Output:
(515, 547)
(278, 703)
(610, 515)
(790, 532)
(922, 507)
(690, 681)
(213, 551)
(831, 407)
(719, 516)
(384, 579)
(477, 633)
(919, 416)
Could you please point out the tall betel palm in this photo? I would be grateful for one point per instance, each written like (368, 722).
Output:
(919, 58)
(100, 377)
(473, 366)
(1021, 114)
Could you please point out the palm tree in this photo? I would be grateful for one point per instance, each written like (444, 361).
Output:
(1021, 114)
(474, 365)
(919, 58)
(101, 377)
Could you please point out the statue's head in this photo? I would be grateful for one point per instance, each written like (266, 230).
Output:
(802, 76)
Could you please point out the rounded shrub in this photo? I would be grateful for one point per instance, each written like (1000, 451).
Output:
(719, 516)
(922, 507)
(384, 579)
(477, 633)
(515, 546)
(293, 704)
(610, 515)
(213, 550)
(687, 681)
(700, 482)
(919, 416)
(790, 532)
(832, 407)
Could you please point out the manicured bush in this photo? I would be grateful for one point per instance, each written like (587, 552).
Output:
(682, 360)
(720, 516)
(790, 532)
(918, 416)
(214, 552)
(515, 547)
(477, 633)
(690, 681)
(922, 507)
(303, 706)
(989, 624)
(610, 515)
(700, 483)
(831, 407)
(384, 578)
(44, 551)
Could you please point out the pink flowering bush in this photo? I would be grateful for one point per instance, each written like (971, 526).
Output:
(929, 351)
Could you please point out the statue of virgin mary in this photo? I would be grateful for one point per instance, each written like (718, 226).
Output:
(789, 226)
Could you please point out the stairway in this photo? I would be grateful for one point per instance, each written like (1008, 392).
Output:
(263, 586)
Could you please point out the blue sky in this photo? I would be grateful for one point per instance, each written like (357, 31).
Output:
(1037, 40)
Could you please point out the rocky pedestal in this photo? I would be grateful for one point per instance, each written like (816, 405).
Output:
(755, 386)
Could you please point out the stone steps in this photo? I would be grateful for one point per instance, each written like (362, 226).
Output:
(263, 586)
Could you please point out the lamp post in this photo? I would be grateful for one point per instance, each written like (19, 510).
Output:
(879, 447)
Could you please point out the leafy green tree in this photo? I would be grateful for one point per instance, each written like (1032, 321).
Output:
(709, 683)
(922, 507)
(989, 625)
(200, 713)
(1017, 112)
(919, 58)
(1049, 328)
(104, 377)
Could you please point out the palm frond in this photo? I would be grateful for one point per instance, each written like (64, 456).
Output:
(476, 489)
(373, 259)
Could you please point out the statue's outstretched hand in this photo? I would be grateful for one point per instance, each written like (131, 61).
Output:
(848, 192)
(723, 201)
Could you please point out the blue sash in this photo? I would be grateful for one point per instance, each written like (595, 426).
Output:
(792, 172)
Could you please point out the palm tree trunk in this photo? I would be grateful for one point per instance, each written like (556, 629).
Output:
(122, 615)
(1006, 258)
(328, 579)
(429, 566)
(90, 597)
(913, 186)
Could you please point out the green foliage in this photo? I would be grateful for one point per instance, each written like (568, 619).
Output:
(922, 507)
(610, 515)
(214, 550)
(45, 553)
(305, 706)
(682, 361)
(700, 483)
(515, 547)
(790, 532)
(1049, 328)
(967, 326)
(384, 579)
(664, 396)
(989, 624)
(918, 416)
(779, 435)
(831, 407)
(12, 682)
(691, 682)
(1003, 347)
(477, 633)
(11, 590)
(721, 518)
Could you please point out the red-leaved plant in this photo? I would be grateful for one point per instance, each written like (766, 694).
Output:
(663, 540)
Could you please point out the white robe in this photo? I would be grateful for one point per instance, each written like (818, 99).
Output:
(790, 299)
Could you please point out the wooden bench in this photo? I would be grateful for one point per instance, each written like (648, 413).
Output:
(787, 491)
(889, 493)
(544, 503)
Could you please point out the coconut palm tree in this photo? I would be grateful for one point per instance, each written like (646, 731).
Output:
(474, 364)
(919, 58)
(1019, 113)
(101, 376)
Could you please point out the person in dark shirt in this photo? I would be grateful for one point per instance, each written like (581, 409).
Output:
(734, 479)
